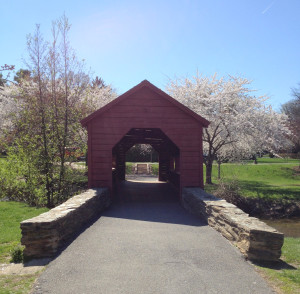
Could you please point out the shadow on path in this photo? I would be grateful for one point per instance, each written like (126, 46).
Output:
(162, 212)
(146, 189)
(150, 200)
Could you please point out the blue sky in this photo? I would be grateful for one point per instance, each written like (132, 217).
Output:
(126, 42)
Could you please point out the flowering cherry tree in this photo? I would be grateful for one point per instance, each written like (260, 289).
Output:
(241, 124)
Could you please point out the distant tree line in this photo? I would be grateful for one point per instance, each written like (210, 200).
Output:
(141, 153)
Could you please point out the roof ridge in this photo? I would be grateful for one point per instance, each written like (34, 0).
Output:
(139, 86)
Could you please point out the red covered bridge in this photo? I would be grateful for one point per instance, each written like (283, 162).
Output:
(145, 115)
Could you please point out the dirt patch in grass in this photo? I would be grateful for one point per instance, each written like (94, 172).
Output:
(16, 284)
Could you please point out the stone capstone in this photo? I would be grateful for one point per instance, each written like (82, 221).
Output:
(255, 239)
(45, 234)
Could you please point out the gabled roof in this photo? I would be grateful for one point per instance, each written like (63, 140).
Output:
(133, 90)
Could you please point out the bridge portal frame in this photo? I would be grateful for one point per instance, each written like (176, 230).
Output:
(145, 114)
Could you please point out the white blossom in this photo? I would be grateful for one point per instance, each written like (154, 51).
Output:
(241, 124)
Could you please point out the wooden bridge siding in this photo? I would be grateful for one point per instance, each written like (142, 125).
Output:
(145, 109)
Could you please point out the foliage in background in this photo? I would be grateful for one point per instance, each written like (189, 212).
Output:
(240, 123)
(292, 110)
(42, 113)
(20, 177)
(142, 153)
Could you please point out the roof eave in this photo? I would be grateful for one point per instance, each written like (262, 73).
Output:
(205, 123)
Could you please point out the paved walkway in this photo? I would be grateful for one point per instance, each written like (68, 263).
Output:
(150, 247)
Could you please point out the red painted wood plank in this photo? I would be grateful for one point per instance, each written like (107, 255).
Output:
(177, 121)
(101, 148)
(101, 177)
(136, 115)
(101, 159)
(192, 142)
(190, 165)
(190, 173)
(96, 184)
(107, 136)
(107, 141)
(100, 172)
(187, 154)
(145, 108)
(121, 127)
(105, 153)
(102, 166)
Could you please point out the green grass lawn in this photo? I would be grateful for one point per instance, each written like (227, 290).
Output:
(286, 276)
(17, 284)
(270, 180)
(269, 160)
(11, 214)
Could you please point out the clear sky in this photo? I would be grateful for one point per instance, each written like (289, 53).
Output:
(125, 42)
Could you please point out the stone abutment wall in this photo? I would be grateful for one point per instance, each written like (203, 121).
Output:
(255, 239)
(45, 234)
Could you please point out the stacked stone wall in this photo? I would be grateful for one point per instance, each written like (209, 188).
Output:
(255, 239)
(45, 234)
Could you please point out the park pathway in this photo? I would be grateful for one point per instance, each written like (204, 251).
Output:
(143, 247)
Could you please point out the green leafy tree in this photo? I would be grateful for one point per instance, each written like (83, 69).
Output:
(22, 74)
(50, 98)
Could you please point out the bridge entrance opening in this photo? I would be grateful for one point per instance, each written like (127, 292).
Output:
(168, 167)
(142, 162)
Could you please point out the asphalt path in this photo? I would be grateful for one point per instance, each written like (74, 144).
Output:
(150, 247)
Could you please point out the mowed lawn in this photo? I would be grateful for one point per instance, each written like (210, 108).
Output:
(270, 178)
(285, 275)
(11, 214)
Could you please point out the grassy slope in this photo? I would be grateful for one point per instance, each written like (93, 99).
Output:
(270, 178)
(286, 277)
(12, 213)
(16, 284)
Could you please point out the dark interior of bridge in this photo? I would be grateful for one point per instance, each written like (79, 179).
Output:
(169, 154)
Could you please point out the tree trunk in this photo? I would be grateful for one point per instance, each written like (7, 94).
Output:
(208, 165)
(255, 159)
(219, 170)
